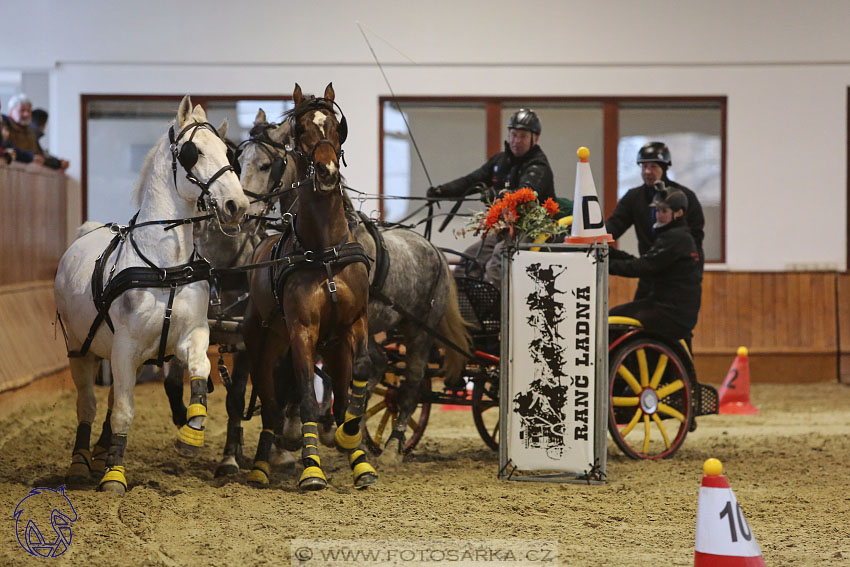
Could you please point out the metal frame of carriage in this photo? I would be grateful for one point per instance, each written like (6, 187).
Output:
(654, 396)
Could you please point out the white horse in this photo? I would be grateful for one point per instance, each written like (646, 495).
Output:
(156, 293)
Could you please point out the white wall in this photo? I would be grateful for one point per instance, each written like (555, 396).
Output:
(784, 66)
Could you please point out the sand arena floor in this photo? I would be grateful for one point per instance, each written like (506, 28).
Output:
(788, 467)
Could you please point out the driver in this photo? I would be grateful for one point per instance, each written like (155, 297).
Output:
(522, 164)
(671, 268)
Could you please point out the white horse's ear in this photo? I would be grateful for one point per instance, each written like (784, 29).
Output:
(222, 130)
(278, 134)
(297, 97)
(199, 114)
(329, 91)
(261, 117)
(184, 111)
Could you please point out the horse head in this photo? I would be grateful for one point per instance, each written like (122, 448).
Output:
(266, 173)
(198, 149)
(318, 137)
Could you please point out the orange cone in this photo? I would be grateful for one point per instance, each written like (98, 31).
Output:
(724, 538)
(734, 394)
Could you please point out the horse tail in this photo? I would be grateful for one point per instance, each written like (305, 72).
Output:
(87, 227)
(456, 329)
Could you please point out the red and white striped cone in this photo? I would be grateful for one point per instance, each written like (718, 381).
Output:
(724, 538)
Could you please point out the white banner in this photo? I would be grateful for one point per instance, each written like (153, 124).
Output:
(552, 364)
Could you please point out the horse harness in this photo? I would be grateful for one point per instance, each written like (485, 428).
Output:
(136, 277)
(187, 155)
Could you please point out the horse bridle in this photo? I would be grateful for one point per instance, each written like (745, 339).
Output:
(277, 164)
(310, 157)
(187, 155)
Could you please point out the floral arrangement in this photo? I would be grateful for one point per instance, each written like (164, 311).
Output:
(519, 215)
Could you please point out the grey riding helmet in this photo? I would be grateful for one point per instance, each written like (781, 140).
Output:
(675, 199)
(525, 119)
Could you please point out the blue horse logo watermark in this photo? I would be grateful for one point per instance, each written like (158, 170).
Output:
(40, 510)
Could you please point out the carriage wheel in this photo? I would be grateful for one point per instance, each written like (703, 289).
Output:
(382, 407)
(485, 408)
(649, 398)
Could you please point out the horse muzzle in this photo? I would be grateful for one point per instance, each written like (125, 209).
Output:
(328, 176)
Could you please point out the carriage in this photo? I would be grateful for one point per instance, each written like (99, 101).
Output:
(654, 396)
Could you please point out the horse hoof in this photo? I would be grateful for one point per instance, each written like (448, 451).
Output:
(283, 459)
(312, 484)
(113, 487)
(189, 441)
(259, 475)
(227, 467)
(98, 460)
(365, 480)
(79, 472)
(391, 457)
(327, 435)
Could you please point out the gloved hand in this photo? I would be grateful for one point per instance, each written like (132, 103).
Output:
(433, 192)
(488, 195)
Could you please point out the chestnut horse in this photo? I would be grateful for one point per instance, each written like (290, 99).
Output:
(311, 299)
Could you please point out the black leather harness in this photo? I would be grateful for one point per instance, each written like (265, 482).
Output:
(150, 276)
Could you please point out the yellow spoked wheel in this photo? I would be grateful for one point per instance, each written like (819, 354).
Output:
(382, 408)
(650, 405)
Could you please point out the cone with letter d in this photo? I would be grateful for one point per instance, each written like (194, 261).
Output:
(724, 538)
(734, 394)
(588, 223)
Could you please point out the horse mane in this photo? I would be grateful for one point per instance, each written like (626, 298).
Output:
(310, 102)
(147, 164)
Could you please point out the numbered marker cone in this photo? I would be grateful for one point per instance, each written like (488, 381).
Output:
(588, 222)
(734, 394)
(724, 539)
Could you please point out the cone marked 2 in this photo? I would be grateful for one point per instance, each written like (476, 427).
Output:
(588, 222)
(723, 538)
(734, 394)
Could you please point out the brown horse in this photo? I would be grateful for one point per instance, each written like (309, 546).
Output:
(311, 300)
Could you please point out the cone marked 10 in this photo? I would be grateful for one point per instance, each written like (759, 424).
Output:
(734, 394)
(723, 538)
(588, 222)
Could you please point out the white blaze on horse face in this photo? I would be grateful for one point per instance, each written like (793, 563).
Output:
(319, 120)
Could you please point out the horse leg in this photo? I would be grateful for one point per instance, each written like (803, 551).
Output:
(235, 404)
(327, 425)
(303, 357)
(287, 434)
(174, 390)
(125, 364)
(263, 351)
(349, 413)
(101, 448)
(418, 346)
(193, 351)
(83, 370)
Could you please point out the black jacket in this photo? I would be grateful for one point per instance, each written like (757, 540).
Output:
(673, 269)
(633, 209)
(504, 171)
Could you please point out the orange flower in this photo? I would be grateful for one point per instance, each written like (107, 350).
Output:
(551, 207)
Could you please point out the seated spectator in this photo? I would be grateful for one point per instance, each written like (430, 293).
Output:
(10, 151)
(39, 125)
(25, 138)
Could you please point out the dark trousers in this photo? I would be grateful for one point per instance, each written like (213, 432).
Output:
(655, 318)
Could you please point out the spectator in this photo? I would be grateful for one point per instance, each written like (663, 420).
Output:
(39, 125)
(9, 150)
(23, 136)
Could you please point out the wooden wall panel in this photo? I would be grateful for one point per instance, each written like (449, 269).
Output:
(33, 346)
(32, 222)
(842, 294)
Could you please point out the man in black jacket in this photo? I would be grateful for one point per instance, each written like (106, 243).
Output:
(634, 208)
(522, 164)
(671, 269)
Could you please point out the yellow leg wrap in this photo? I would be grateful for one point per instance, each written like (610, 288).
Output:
(114, 474)
(98, 459)
(190, 436)
(363, 468)
(312, 472)
(260, 473)
(358, 384)
(80, 465)
(194, 410)
(347, 441)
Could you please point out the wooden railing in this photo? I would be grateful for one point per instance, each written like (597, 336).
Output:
(33, 221)
(32, 239)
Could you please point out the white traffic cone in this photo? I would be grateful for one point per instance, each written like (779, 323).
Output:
(588, 222)
(724, 538)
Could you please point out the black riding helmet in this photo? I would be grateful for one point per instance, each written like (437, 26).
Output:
(657, 152)
(675, 199)
(525, 119)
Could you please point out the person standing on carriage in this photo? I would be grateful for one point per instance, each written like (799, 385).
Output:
(522, 164)
(636, 209)
(671, 270)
